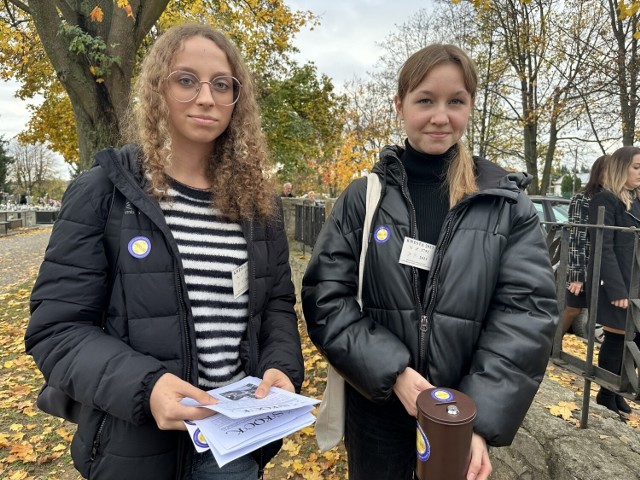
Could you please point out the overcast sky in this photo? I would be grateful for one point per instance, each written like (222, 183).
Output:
(342, 46)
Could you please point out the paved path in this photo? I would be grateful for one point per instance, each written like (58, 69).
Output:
(21, 255)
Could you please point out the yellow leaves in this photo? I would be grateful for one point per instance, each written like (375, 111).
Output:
(96, 15)
(27, 436)
(628, 9)
(290, 447)
(563, 410)
(19, 475)
(23, 452)
(64, 434)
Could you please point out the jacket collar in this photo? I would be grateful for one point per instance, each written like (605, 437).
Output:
(490, 178)
(124, 169)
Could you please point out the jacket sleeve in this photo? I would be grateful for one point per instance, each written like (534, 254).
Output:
(611, 277)
(65, 335)
(578, 254)
(279, 340)
(513, 349)
(348, 338)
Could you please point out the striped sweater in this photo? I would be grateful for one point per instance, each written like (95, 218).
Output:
(211, 248)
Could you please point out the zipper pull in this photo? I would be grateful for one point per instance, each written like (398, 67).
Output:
(424, 323)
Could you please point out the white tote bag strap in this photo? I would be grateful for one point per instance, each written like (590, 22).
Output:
(373, 196)
(329, 427)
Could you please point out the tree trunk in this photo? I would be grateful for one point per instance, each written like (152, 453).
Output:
(98, 106)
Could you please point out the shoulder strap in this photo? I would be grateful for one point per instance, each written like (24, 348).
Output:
(374, 190)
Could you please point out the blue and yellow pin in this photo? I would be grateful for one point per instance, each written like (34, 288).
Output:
(382, 234)
(139, 247)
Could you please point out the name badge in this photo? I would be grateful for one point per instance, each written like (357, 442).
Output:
(417, 254)
(240, 279)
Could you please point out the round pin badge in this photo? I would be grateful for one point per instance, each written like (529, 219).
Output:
(199, 440)
(423, 447)
(139, 247)
(442, 395)
(382, 234)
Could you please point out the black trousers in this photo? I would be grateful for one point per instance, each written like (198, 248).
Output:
(380, 439)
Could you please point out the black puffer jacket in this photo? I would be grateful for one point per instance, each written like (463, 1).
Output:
(148, 327)
(489, 310)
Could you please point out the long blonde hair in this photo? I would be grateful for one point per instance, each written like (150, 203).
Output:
(461, 175)
(616, 173)
(239, 160)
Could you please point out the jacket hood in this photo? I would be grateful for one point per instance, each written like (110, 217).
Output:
(490, 178)
(123, 161)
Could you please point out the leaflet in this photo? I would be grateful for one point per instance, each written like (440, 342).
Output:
(238, 399)
(244, 423)
(224, 458)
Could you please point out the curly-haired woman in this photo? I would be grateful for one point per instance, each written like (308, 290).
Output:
(194, 293)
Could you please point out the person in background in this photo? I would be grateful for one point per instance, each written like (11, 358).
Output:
(621, 198)
(200, 293)
(579, 246)
(458, 289)
(287, 190)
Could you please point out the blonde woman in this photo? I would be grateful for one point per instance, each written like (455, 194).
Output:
(199, 294)
(620, 197)
(478, 316)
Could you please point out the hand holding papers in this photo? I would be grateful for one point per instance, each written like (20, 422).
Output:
(245, 423)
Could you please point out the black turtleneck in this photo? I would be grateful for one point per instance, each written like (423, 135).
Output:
(429, 193)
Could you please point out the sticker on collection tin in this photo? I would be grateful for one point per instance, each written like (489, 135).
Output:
(139, 247)
(382, 234)
(442, 395)
(423, 447)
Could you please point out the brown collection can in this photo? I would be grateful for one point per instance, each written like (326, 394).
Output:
(444, 430)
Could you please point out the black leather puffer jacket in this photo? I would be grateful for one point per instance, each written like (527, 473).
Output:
(489, 311)
(110, 364)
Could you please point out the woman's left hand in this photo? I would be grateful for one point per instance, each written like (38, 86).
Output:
(479, 464)
(621, 303)
(273, 378)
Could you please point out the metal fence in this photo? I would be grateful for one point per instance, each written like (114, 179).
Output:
(627, 382)
(309, 218)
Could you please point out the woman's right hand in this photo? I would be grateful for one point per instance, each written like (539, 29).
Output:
(575, 287)
(408, 386)
(165, 405)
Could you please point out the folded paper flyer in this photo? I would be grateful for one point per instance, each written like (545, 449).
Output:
(244, 423)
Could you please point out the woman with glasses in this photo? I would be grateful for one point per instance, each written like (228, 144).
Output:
(191, 289)
(457, 292)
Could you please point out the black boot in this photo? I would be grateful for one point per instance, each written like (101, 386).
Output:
(607, 399)
(622, 404)
(610, 358)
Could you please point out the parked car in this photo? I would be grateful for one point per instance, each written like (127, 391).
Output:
(551, 209)
(556, 210)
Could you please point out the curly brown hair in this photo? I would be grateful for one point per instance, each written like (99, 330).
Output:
(239, 161)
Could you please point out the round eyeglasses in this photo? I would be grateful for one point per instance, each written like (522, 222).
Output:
(185, 87)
